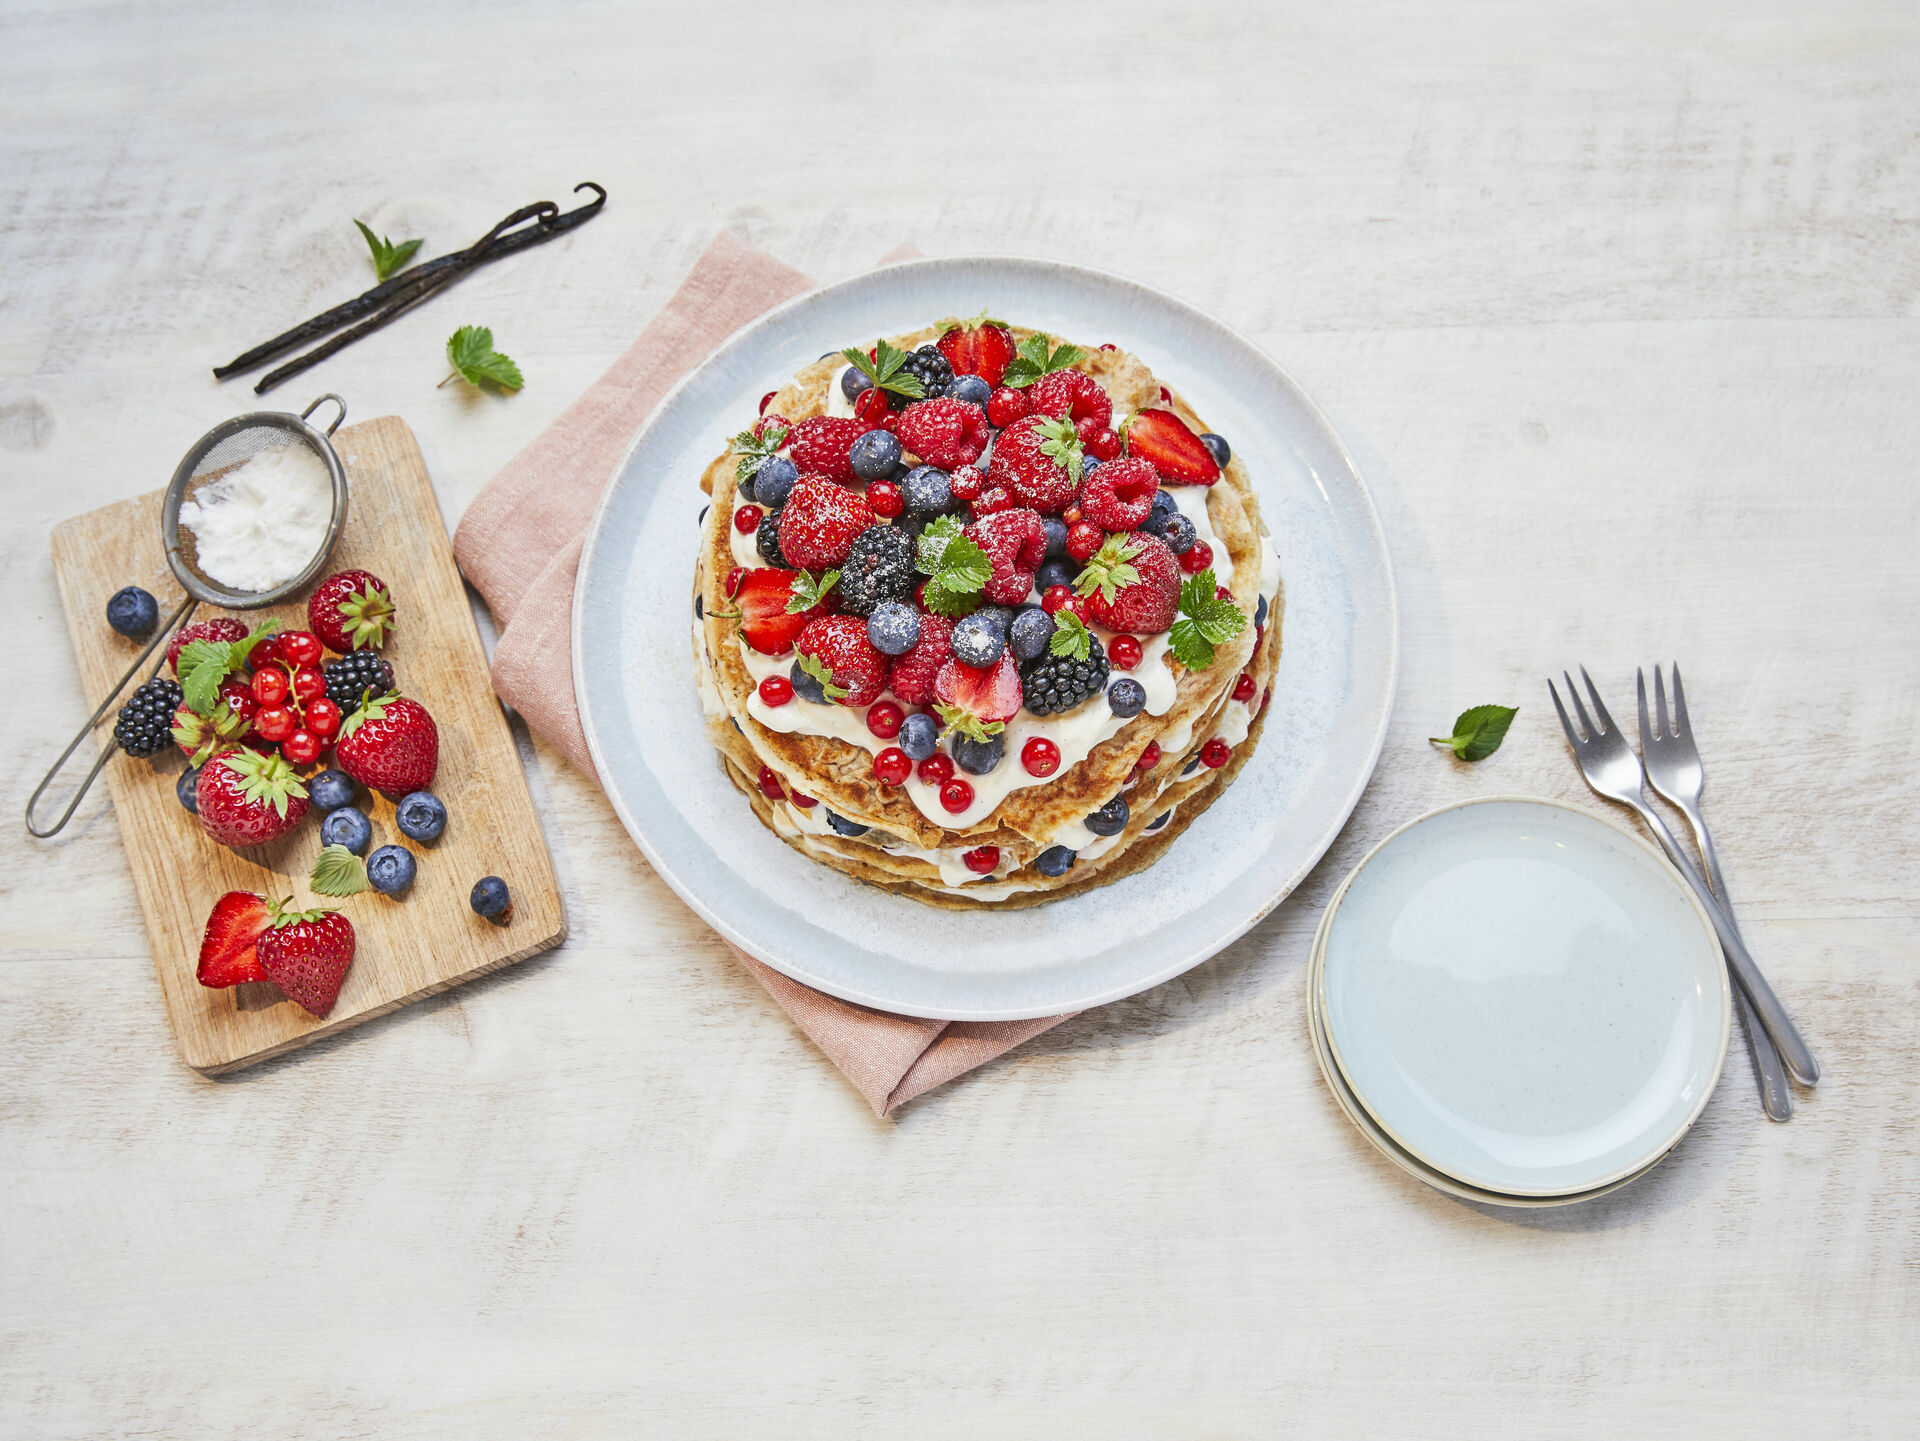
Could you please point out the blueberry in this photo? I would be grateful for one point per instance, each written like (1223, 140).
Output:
(972, 389)
(1164, 503)
(1159, 820)
(1190, 767)
(1260, 612)
(1110, 819)
(703, 514)
(743, 487)
(854, 382)
(997, 616)
(773, 481)
(976, 642)
(1056, 530)
(928, 491)
(1127, 696)
(806, 687)
(875, 454)
(1054, 861)
(187, 788)
(919, 735)
(894, 627)
(1059, 571)
(390, 870)
(347, 827)
(979, 757)
(133, 613)
(1027, 637)
(1217, 444)
(491, 898)
(1179, 534)
(330, 790)
(1088, 465)
(844, 827)
(420, 816)
(699, 608)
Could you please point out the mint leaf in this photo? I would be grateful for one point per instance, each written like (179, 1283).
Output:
(754, 449)
(471, 354)
(1061, 445)
(1070, 635)
(1205, 621)
(958, 568)
(805, 592)
(388, 258)
(1035, 360)
(1478, 731)
(959, 720)
(337, 871)
(884, 369)
(819, 670)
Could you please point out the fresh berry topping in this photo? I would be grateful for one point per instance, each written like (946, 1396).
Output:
(981, 860)
(747, 518)
(352, 610)
(971, 389)
(839, 644)
(1217, 447)
(390, 744)
(974, 698)
(220, 628)
(1083, 539)
(1123, 652)
(979, 757)
(878, 567)
(770, 787)
(773, 482)
(874, 455)
(1110, 819)
(976, 642)
(806, 803)
(491, 900)
(936, 770)
(1071, 395)
(894, 627)
(913, 674)
(1163, 440)
(1100, 443)
(307, 955)
(925, 489)
(421, 816)
(323, 718)
(330, 790)
(274, 723)
(955, 797)
(1006, 406)
(776, 690)
(966, 483)
(270, 687)
(855, 382)
(1059, 571)
(884, 499)
(1132, 583)
(1054, 861)
(1126, 697)
(144, 726)
(133, 612)
(1119, 496)
(774, 428)
(302, 747)
(1055, 598)
(1215, 753)
(347, 827)
(891, 767)
(819, 523)
(350, 678)
(767, 400)
(1029, 632)
(308, 684)
(1040, 756)
(1196, 557)
(1039, 460)
(1166, 396)
(1058, 682)
(1149, 758)
(766, 540)
(824, 445)
(1179, 533)
(391, 869)
(873, 411)
(1016, 543)
(844, 827)
(931, 369)
(807, 683)
(979, 347)
(993, 500)
(234, 926)
(919, 734)
(1260, 612)
(946, 433)
(248, 799)
(1221, 592)
(885, 719)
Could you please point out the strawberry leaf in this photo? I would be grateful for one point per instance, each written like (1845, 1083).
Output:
(203, 664)
(1034, 360)
(753, 449)
(819, 670)
(958, 720)
(806, 592)
(883, 368)
(388, 258)
(1478, 731)
(1070, 635)
(471, 354)
(1062, 446)
(1205, 621)
(337, 871)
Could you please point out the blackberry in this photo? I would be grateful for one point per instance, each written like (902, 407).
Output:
(144, 726)
(878, 567)
(352, 676)
(1056, 683)
(766, 540)
(931, 369)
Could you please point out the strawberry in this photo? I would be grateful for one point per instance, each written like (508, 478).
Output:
(760, 596)
(856, 665)
(1070, 395)
(221, 627)
(913, 674)
(1163, 440)
(226, 947)
(819, 521)
(307, 955)
(942, 432)
(979, 347)
(350, 611)
(389, 744)
(200, 737)
(988, 693)
(1038, 459)
(248, 799)
(1132, 583)
(1016, 542)
(1119, 494)
(822, 444)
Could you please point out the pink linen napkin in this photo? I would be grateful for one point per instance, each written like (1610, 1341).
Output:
(520, 542)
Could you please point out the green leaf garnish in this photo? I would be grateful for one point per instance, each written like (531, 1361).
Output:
(1478, 732)
(337, 871)
(1062, 446)
(203, 664)
(753, 449)
(819, 670)
(471, 354)
(388, 258)
(1070, 635)
(957, 566)
(958, 720)
(805, 592)
(1108, 570)
(1035, 360)
(978, 322)
(1205, 621)
(884, 370)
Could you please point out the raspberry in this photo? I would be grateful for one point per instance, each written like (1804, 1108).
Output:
(822, 445)
(1016, 543)
(913, 673)
(1070, 395)
(1007, 406)
(946, 433)
(819, 521)
(1119, 495)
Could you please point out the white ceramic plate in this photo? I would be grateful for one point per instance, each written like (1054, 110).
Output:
(633, 671)
(1524, 997)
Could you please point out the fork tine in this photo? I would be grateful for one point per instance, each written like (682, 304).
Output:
(1682, 726)
(1565, 724)
(1599, 706)
(1660, 702)
(1579, 706)
(1640, 694)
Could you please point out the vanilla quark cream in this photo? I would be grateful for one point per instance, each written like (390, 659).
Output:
(258, 525)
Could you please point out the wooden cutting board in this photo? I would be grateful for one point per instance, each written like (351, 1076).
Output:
(407, 948)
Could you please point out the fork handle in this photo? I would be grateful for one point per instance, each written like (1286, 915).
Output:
(1766, 1005)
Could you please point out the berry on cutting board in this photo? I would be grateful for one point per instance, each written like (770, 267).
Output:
(490, 898)
(350, 678)
(421, 816)
(390, 744)
(306, 954)
(144, 726)
(298, 648)
(227, 944)
(184, 789)
(330, 790)
(248, 799)
(348, 611)
(390, 870)
(133, 612)
(347, 827)
(220, 628)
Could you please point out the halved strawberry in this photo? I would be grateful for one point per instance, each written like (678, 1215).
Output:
(979, 347)
(760, 606)
(1163, 440)
(237, 920)
(1016, 542)
(857, 667)
(989, 693)
(819, 521)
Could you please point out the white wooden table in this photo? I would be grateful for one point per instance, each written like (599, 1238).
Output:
(1617, 306)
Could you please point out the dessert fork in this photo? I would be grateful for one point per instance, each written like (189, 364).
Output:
(1612, 770)
(1673, 766)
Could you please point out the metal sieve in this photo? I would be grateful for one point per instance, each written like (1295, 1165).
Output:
(220, 450)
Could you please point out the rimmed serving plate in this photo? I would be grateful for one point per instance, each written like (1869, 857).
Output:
(1522, 997)
(634, 678)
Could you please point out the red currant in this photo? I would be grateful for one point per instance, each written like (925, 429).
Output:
(767, 400)
(966, 483)
(302, 747)
(323, 718)
(981, 860)
(1123, 652)
(308, 684)
(1006, 405)
(806, 803)
(273, 723)
(936, 769)
(264, 654)
(1244, 688)
(885, 719)
(1259, 634)
(884, 499)
(1040, 756)
(776, 690)
(955, 796)
(1198, 557)
(1166, 396)
(995, 499)
(239, 696)
(872, 409)
(746, 519)
(1220, 592)
(300, 647)
(767, 422)
(1109, 346)
(770, 786)
(1149, 758)
(1055, 597)
(1215, 753)
(1083, 539)
(270, 687)
(892, 767)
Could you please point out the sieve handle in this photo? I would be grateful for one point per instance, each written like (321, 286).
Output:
(322, 401)
(33, 801)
